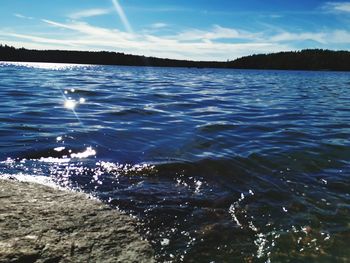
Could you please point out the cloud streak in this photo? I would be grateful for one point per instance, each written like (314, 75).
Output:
(159, 25)
(89, 13)
(343, 7)
(217, 32)
(319, 37)
(22, 16)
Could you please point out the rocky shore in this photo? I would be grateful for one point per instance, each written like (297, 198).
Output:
(43, 224)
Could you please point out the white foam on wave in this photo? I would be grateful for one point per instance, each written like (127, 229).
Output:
(88, 152)
(54, 160)
(38, 179)
(59, 149)
(125, 168)
(46, 181)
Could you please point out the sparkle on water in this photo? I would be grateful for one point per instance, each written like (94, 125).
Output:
(70, 104)
(42, 65)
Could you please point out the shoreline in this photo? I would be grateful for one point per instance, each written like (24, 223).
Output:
(41, 224)
(305, 60)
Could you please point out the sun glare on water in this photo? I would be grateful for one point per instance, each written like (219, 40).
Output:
(46, 65)
(70, 104)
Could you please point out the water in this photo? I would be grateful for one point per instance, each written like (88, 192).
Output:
(219, 165)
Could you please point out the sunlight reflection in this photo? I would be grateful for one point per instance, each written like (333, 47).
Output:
(54, 160)
(70, 104)
(88, 152)
(50, 66)
(59, 149)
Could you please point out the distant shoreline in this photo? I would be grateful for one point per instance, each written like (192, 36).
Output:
(309, 59)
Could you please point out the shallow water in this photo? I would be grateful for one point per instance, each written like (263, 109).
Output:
(219, 165)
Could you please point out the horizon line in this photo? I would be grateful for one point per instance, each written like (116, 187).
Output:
(167, 58)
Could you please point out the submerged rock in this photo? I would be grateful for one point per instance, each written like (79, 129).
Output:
(42, 224)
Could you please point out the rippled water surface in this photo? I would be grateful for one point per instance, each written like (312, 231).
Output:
(219, 165)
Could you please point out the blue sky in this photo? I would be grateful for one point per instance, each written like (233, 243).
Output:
(183, 29)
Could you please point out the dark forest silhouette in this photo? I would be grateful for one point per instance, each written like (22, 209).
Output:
(309, 59)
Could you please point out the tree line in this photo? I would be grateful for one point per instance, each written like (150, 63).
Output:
(309, 59)
(8, 53)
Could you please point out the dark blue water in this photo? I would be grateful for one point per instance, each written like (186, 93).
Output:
(219, 165)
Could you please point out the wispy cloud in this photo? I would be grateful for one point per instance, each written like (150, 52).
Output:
(158, 25)
(319, 37)
(37, 39)
(22, 16)
(89, 13)
(341, 36)
(217, 32)
(160, 9)
(337, 7)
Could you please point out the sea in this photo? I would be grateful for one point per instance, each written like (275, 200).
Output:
(217, 165)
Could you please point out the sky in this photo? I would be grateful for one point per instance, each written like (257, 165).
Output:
(182, 29)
